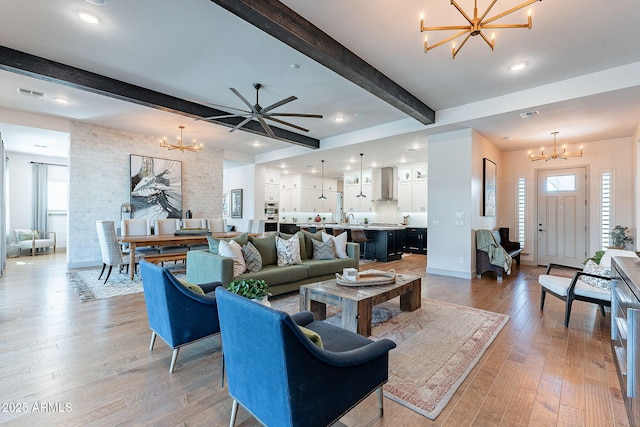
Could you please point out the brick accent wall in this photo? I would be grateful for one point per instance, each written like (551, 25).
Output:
(99, 182)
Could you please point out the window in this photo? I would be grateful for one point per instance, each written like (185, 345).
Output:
(56, 196)
(561, 183)
(605, 208)
(520, 208)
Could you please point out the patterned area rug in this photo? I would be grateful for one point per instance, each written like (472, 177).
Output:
(89, 288)
(437, 346)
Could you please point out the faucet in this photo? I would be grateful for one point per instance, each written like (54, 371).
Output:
(350, 215)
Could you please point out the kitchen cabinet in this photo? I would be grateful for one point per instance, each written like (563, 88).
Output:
(415, 240)
(300, 193)
(352, 186)
(625, 331)
(412, 188)
(386, 245)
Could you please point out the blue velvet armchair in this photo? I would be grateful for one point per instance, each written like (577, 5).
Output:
(282, 378)
(177, 314)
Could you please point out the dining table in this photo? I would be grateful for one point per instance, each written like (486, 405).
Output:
(166, 240)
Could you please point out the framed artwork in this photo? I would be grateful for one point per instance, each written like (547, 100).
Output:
(489, 188)
(236, 203)
(225, 203)
(156, 187)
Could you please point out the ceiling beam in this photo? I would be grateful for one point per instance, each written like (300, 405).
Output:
(284, 24)
(40, 68)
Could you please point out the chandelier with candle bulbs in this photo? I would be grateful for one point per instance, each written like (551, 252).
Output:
(564, 155)
(180, 145)
(476, 25)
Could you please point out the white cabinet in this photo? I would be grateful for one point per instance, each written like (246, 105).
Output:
(271, 176)
(352, 186)
(271, 193)
(300, 193)
(412, 188)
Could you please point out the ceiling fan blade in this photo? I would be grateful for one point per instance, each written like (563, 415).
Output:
(266, 127)
(286, 123)
(311, 116)
(279, 103)
(226, 116)
(242, 123)
(217, 105)
(247, 103)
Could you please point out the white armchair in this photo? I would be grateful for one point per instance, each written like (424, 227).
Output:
(581, 286)
(35, 239)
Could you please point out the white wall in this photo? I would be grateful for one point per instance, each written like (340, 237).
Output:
(100, 178)
(615, 155)
(244, 177)
(20, 194)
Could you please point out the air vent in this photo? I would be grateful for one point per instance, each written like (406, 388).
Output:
(31, 93)
(529, 114)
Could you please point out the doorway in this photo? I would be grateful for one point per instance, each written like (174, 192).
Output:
(561, 223)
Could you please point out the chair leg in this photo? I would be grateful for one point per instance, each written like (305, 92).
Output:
(602, 311)
(234, 413)
(108, 273)
(380, 400)
(153, 340)
(103, 267)
(174, 358)
(567, 312)
(542, 295)
(222, 368)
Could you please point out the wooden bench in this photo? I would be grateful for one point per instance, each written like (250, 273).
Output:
(157, 258)
(482, 258)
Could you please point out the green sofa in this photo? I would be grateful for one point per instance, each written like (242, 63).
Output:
(205, 266)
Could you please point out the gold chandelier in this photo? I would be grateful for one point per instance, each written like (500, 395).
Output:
(180, 146)
(476, 25)
(546, 157)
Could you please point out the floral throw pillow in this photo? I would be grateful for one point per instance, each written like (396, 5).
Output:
(288, 251)
(252, 258)
(600, 270)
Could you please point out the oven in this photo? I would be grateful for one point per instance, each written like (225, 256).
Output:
(270, 226)
(271, 211)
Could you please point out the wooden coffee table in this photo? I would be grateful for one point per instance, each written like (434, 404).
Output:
(357, 302)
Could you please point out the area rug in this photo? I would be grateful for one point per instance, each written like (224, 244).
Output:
(437, 346)
(90, 288)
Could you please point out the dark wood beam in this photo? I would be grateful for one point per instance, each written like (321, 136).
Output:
(40, 68)
(284, 24)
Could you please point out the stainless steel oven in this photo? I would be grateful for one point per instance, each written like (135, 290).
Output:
(270, 226)
(271, 211)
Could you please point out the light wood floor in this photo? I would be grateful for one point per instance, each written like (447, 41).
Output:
(94, 358)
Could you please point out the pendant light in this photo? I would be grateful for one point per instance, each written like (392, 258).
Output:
(361, 195)
(322, 183)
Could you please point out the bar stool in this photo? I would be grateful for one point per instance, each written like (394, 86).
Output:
(359, 236)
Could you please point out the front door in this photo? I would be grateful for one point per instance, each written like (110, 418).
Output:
(562, 211)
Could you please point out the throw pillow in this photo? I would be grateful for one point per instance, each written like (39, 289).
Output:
(323, 250)
(339, 242)
(288, 251)
(600, 270)
(214, 242)
(232, 249)
(195, 288)
(267, 247)
(308, 236)
(303, 245)
(313, 336)
(252, 258)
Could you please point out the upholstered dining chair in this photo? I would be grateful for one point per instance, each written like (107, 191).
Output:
(177, 314)
(282, 378)
(169, 226)
(137, 227)
(217, 225)
(110, 248)
(576, 288)
(193, 223)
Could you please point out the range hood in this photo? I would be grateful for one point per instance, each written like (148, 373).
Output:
(383, 187)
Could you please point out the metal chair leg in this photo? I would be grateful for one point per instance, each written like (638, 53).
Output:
(103, 267)
(234, 413)
(222, 369)
(380, 404)
(108, 273)
(174, 358)
(153, 340)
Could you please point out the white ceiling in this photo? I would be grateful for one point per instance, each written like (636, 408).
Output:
(583, 74)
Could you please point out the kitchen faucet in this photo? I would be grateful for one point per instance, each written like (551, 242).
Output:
(350, 215)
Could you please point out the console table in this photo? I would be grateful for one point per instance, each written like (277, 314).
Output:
(625, 331)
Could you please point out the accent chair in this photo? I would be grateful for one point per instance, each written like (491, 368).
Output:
(282, 378)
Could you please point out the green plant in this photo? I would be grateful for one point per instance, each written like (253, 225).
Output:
(595, 258)
(249, 288)
(620, 237)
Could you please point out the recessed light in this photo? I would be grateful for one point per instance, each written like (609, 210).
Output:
(256, 144)
(88, 17)
(518, 66)
(61, 101)
(295, 66)
(339, 119)
(97, 2)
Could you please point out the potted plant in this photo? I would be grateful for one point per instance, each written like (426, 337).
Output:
(254, 289)
(595, 258)
(620, 237)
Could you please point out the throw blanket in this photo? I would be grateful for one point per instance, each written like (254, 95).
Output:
(486, 242)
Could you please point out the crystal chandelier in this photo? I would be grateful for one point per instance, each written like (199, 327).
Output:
(476, 25)
(546, 157)
(180, 146)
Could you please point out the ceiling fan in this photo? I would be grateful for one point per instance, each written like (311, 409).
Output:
(260, 114)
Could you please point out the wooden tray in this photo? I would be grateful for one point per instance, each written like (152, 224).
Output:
(368, 278)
